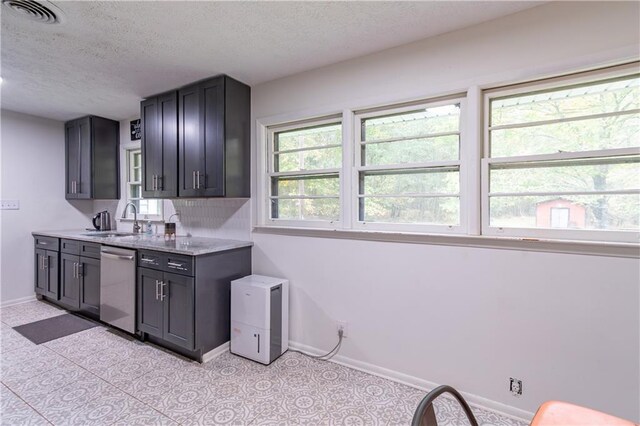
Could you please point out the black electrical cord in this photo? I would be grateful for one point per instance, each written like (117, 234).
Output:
(328, 355)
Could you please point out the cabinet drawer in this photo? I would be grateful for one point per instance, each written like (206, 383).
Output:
(47, 243)
(150, 259)
(90, 250)
(70, 247)
(179, 264)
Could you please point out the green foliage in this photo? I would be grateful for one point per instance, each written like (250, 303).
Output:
(586, 134)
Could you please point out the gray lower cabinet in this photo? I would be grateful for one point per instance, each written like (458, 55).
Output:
(90, 286)
(177, 293)
(165, 306)
(80, 277)
(46, 273)
(150, 307)
(183, 301)
(70, 281)
(80, 283)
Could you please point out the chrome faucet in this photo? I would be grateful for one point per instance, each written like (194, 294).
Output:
(136, 225)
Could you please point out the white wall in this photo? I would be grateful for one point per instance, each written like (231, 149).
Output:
(33, 172)
(567, 325)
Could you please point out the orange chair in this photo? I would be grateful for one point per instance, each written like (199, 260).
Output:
(556, 413)
(551, 413)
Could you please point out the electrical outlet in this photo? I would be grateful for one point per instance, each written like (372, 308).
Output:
(344, 325)
(515, 386)
(10, 204)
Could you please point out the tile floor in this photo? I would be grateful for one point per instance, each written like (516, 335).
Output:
(96, 377)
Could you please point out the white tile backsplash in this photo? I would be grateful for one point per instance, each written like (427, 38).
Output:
(215, 218)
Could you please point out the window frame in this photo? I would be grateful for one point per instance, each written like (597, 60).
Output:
(269, 173)
(474, 230)
(532, 86)
(460, 163)
(129, 152)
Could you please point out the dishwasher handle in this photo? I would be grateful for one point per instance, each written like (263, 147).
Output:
(115, 256)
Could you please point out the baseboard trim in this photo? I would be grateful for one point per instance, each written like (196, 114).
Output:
(405, 379)
(18, 301)
(215, 353)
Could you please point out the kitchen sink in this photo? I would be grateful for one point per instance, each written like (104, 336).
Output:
(109, 234)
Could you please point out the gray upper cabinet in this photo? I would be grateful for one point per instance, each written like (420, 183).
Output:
(92, 160)
(159, 120)
(214, 139)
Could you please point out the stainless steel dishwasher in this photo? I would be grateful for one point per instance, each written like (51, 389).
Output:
(118, 287)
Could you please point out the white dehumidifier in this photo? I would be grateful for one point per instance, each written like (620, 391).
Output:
(260, 317)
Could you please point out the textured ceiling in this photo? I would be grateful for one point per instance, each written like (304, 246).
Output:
(106, 56)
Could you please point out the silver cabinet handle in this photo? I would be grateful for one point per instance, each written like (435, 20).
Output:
(174, 265)
(198, 180)
(79, 268)
(45, 262)
(194, 179)
(157, 289)
(40, 261)
(158, 181)
(43, 243)
(115, 256)
(74, 270)
(147, 260)
(162, 295)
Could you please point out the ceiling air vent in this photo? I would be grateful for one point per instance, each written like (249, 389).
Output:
(42, 11)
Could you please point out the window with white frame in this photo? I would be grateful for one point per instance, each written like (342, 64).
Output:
(407, 174)
(562, 159)
(152, 209)
(304, 167)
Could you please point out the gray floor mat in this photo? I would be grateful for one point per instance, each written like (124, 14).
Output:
(54, 328)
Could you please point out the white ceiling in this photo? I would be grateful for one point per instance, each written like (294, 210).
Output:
(108, 55)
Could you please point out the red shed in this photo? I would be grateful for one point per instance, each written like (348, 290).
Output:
(560, 213)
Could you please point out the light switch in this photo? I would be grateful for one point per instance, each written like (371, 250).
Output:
(10, 204)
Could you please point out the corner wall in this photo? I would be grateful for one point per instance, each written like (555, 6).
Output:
(33, 172)
(567, 325)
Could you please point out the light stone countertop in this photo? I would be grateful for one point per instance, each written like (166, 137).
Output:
(192, 246)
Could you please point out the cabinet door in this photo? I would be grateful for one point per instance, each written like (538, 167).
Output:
(212, 116)
(89, 272)
(70, 284)
(150, 308)
(151, 147)
(53, 275)
(178, 295)
(191, 144)
(83, 189)
(72, 151)
(40, 271)
(168, 131)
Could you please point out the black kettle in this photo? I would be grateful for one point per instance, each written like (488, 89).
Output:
(102, 221)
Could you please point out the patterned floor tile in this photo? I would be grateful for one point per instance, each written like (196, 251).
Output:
(103, 410)
(233, 412)
(25, 313)
(98, 377)
(16, 372)
(14, 411)
(11, 340)
(45, 383)
(60, 405)
(143, 415)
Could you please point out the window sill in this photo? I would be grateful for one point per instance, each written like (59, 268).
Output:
(592, 248)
